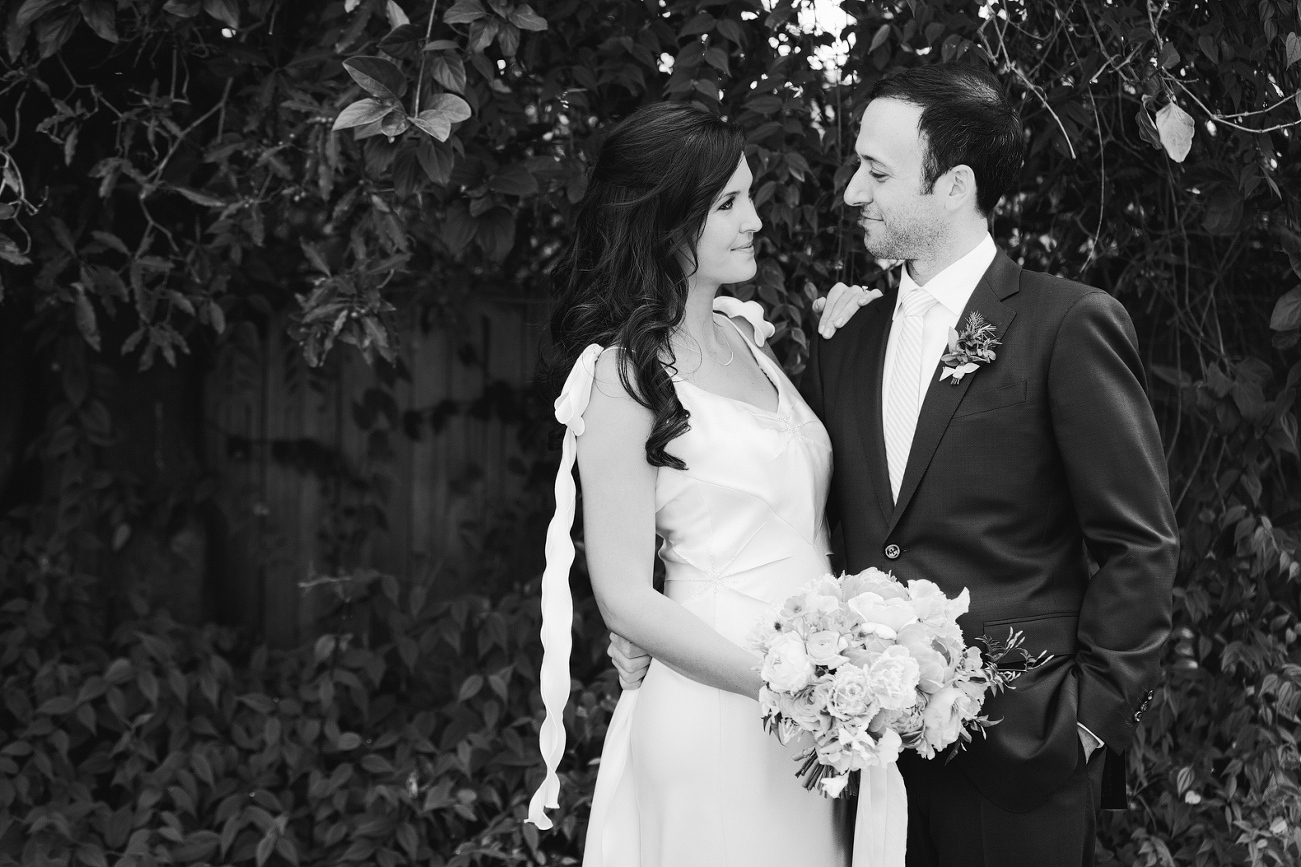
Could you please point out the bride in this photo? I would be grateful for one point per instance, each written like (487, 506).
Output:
(685, 429)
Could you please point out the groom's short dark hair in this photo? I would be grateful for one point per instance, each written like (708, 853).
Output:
(966, 120)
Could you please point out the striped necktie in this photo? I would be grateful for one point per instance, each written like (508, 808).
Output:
(901, 405)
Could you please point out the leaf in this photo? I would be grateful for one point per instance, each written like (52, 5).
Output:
(396, 17)
(33, 9)
(495, 233)
(464, 12)
(102, 18)
(458, 228)
(349, 741)
(879, 38)
(525, 18)
(1293, 48)
(361, 112)
(52, 33)
(1169, 56)
(1287, 311)
(514, 180)
(436, 159)
(403, 41)
(1176, 129)
(449, 71)
(183, 8)
(377, 76)
(1223, 211)
(10, 251)
(86, 323)
(437, 121)
(453, 106)
(60, 704)
(224, 11)
(730, 29)
(201, 198)
(470, 688)
(1147, 129)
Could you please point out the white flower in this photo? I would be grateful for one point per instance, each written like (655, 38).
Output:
(786, 667)
(893, 678)
(808, 707)
(833, 786)
(877, 612)
(944, 715)
(824, 647)
(873, 580)
(850, 695)
(888, 746)
(934, 668)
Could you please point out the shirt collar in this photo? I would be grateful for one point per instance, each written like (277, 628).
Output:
(953, 286)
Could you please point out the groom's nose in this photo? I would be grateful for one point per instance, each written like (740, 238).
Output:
(857, 191)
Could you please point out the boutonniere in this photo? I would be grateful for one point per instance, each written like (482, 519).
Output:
(969, 348)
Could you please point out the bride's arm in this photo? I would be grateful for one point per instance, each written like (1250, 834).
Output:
(619, 535)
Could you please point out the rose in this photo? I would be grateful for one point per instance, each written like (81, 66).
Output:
(850, 695)
(786, 666)
(808, 707)
(893, 678)
(944, 715)
(824, 648)
(877, 612)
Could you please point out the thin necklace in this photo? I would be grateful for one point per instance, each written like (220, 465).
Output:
(723, 337)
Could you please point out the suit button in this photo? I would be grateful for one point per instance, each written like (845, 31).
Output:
(892, 551)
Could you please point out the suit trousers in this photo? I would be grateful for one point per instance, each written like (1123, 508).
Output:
(951, 824)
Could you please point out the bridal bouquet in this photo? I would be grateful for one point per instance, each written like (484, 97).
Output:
(869, 666)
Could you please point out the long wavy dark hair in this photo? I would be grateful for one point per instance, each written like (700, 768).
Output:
(619, 281)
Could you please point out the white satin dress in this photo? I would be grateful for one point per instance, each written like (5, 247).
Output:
(688, 775)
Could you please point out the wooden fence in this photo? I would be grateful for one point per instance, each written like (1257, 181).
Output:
(283, 440)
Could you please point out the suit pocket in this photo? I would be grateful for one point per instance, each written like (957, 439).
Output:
(997, 398)
(1054, 633)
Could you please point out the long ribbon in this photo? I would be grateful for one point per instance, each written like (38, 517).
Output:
(557, 603)
(881, 823)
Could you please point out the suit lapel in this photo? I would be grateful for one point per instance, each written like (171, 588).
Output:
(870, 364)
(942, 398)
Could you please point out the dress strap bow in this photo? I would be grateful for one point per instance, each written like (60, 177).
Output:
(751, 311)
(557, 603)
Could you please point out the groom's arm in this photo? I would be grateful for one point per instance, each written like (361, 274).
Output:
(1116, 470)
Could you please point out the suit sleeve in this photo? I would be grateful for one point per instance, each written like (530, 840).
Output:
(811, 389)
(1119, 483)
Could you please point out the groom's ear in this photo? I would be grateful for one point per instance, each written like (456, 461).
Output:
(958, 188)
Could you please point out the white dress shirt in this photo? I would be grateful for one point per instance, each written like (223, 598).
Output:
(952, 288)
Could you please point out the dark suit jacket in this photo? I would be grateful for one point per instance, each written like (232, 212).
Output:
(1032, 466)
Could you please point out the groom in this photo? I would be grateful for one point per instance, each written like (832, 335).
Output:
(1033, 476)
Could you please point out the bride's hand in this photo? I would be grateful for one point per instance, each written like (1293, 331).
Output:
(841, 303)
(629, 659)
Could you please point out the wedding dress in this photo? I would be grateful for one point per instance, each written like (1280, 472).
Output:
(688, 776)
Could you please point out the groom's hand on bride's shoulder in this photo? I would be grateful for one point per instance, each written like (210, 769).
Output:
(841, 303)
(630, 660)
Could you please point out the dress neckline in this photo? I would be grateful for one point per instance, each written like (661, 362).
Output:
(763, 361)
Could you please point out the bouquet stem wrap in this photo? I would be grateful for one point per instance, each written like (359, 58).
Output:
(881, 822)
